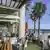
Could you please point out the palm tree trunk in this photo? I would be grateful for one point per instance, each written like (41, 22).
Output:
(33, 40)
(34, 29)
(34, 26)
(38, 29)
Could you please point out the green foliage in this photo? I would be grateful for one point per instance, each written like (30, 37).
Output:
(38, 10)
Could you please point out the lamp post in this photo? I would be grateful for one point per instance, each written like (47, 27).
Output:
(26, 27)
(26, 34)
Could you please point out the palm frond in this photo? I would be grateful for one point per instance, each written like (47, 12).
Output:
(39, 9)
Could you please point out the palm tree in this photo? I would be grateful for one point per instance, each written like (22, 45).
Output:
(33, 17)
(38, 11)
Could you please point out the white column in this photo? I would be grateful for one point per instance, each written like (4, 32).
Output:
(10, 28)
(13, 27)
(17, 28)
(22, 22)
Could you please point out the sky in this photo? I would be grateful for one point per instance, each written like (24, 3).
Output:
(45, 20)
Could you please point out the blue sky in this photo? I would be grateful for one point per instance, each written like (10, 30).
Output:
(45, 20)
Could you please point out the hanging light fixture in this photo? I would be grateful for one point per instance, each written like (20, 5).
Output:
(15, 0)
(16, 4)
(20, 2)
(12, 3)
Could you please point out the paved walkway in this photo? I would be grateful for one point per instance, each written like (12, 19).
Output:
(33, 47)
(14, 47)
(30, 47)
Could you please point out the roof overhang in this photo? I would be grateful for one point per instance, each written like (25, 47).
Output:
(11, 6)
(12, 3)
(7, 10)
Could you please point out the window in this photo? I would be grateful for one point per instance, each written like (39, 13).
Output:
(0, 1)
(8, 2)
(49, 36)
(3, 2)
